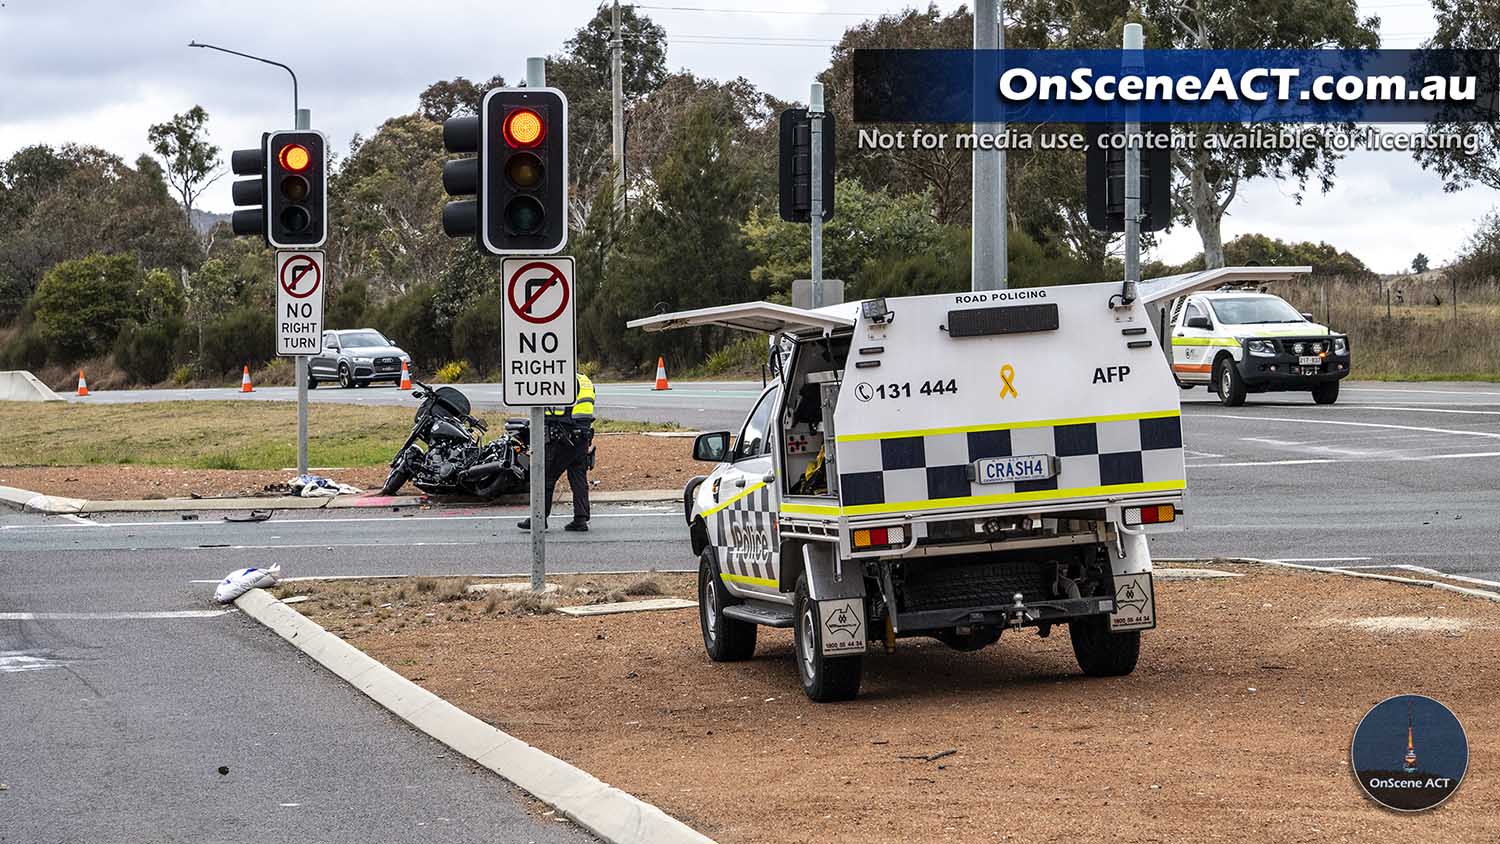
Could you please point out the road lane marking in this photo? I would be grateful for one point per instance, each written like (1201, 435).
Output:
(1417, 428)
(1433, 392)
(664, 511)
(111, 616)
(1416, 409)
(1299, 462)
(526, 573)
(80, 520)
(1323, 560)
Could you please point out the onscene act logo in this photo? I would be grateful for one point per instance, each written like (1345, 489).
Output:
(1409, 753)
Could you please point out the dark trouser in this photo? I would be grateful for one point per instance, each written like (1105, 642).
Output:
(571, 457)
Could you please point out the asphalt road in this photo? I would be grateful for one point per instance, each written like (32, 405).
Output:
(118, 729)
(122, 723)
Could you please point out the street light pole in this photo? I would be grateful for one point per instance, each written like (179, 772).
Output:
(301, 119)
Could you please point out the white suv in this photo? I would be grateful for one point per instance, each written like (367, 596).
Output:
(1237, 342)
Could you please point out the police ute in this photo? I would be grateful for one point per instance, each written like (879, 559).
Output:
(949, 466)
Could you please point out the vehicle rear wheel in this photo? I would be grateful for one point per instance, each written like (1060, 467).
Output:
(1101, 653)
(725, 639)
(824, 678)
(1228, 383)
(346, 378)
(1326, 392)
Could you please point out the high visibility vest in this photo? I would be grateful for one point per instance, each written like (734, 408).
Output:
(583, 408)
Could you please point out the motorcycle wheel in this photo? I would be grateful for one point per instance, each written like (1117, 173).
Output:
(394, 481)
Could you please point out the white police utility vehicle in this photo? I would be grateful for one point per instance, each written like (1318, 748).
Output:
(949, 466)
(1239, 341)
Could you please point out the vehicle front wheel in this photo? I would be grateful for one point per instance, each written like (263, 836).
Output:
(1326, 392)
(395, 480)
(725, 639)
(346, 378)
(1101, 653)
(824, 678)
(312, 383)
(1228, 383)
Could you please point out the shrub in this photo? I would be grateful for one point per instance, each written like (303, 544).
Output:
(80, 305)
(26, 350)
(182, 375)
(144, 352)
(745, 355)
(411, 321)
(451, 372)
(243, 336)
(476, 333)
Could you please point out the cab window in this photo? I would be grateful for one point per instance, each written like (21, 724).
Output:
(755, 438)
(330, 340)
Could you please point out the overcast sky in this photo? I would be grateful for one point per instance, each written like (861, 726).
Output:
(101, 71)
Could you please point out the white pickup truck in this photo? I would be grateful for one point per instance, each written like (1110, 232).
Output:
(948, 466)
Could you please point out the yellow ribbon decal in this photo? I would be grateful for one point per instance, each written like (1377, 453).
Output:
(1007, 373)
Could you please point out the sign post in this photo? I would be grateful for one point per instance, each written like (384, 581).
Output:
(539, 365)
(299, 325)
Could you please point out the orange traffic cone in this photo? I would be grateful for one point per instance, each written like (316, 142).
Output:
(405, 378)
(245, 381)
(661, 374)
(83, 384)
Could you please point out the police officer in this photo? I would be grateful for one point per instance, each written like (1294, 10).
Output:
(569, 436)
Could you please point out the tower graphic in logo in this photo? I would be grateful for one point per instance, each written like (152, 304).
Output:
(1404, 782)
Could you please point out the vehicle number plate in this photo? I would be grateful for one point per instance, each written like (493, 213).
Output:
(1309, 360)
(1005, 470)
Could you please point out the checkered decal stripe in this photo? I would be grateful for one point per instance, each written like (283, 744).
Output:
(929, 468)
(745, 535)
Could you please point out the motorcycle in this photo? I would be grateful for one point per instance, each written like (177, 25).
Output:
(445, 454)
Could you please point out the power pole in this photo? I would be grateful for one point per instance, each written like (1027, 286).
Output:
(988, 232)
(815, 118)
(536, 77)
(1135, 41)
(617, 95)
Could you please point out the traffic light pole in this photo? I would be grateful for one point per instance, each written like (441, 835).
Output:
(815, 215)
(989, 230)
(536, 77)
(304, 121)
(1135, 41)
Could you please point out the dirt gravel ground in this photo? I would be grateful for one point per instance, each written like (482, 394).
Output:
(625, 462)
(1235, 726)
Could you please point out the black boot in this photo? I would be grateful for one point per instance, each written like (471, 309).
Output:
(580, 525)
(525, 524)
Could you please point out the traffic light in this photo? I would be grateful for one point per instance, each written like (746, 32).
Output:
(249, 162)
(795, 170)
(1105, 180)
(289, 192)
(461, 177)
(297, 186)
(523, 171)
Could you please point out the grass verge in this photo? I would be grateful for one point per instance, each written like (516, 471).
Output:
(213, 435)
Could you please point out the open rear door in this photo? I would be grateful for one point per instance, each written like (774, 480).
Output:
(1157, 293)
(761, 317)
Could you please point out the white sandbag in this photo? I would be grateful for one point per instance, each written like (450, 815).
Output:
(242, 581)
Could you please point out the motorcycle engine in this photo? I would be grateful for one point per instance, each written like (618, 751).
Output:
(445, 461)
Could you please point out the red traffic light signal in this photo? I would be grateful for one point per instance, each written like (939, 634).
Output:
(523, 128)
(294, 157)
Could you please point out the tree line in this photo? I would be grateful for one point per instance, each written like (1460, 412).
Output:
(100, 258)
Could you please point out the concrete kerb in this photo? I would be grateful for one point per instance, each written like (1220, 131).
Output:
(1410, 581)
(27, 501)
(606, 811)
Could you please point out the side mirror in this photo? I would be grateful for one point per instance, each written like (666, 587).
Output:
(1307, 316)
(711, 448)
(1199, 322)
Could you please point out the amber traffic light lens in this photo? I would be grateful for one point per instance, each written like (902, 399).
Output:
(294, 157)
(523, 128)
(524, 170)
(294, 188)
(524, 215)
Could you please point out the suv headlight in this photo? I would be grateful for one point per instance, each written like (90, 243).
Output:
(363, 360)
(1341, 345)
(1263, 348)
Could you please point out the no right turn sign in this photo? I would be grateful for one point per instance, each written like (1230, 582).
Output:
(540, 334)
